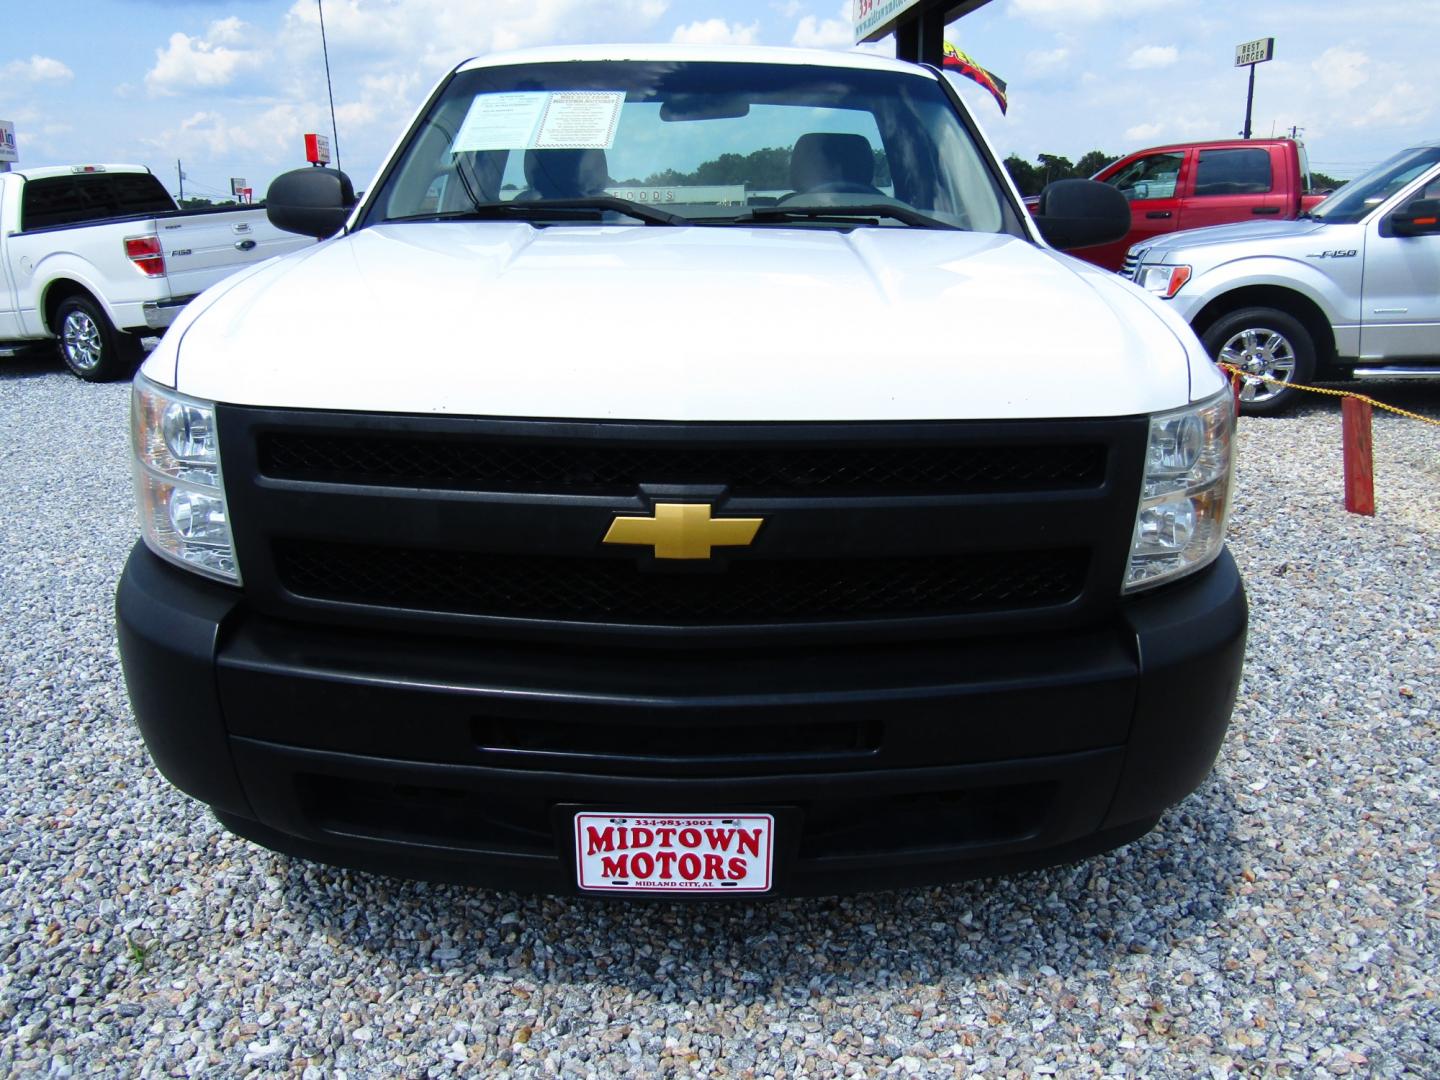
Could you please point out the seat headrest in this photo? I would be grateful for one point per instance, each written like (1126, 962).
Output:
(566, 174)
(822, 157)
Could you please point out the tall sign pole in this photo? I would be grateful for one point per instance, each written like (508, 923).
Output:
(1248, 55)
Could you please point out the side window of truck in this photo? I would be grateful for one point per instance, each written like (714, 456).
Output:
(1150, 177)
(1233, 172)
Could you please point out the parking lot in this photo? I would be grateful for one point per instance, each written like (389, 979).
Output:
(1283, 920)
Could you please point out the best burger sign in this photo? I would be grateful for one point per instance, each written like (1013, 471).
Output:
(690, 853)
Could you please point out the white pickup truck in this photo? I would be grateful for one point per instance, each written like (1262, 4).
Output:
(710, 540)
(98, 255)
(1350, 290)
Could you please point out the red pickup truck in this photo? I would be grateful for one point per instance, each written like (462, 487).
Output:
(1191, 185)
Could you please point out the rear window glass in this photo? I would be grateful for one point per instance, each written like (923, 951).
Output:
(67, 200)
(1233, 172)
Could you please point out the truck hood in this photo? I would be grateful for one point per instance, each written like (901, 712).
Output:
(689, 323)
(1245, 232)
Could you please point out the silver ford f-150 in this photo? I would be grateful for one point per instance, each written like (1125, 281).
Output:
(1350, 289)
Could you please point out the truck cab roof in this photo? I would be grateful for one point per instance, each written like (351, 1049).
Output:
(742, 54)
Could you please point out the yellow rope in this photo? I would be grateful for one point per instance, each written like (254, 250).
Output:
(1233, 370)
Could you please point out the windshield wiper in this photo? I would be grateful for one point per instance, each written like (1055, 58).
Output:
(589, 208)
(845, 215)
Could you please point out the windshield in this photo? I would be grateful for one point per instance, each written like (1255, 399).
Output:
(708, 143)
(1357, 198)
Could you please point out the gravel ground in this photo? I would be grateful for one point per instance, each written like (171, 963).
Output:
(1281, 921)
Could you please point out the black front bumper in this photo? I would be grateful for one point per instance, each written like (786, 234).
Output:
(464, 759)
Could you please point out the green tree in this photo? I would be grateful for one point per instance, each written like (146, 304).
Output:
(1048, 168)
(1024, 175)
(1320, 182)
(1054, 167)
(761, 169)
(1093, 162)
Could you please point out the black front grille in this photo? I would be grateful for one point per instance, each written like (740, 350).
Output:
(579, 467)
(618, 591)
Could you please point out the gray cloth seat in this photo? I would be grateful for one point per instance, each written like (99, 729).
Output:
(565, 174)
(824, 161)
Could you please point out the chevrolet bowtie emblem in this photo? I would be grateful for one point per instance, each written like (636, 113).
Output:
(683, 531)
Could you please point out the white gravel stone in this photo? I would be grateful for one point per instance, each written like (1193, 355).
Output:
(1281, 921)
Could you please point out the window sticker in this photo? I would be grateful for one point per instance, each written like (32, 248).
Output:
(501, 122)
(541, 120)
(580, 120)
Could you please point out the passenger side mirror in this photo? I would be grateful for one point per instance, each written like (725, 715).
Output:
(1420, 218)
(311, 202)
(1080, 213)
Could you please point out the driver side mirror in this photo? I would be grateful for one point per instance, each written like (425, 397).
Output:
(1080, 213)
(1420, 218)
(311, 202)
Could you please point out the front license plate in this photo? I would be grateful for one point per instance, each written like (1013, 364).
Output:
(729, 853)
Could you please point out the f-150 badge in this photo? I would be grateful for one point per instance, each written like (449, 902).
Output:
(683, 531)
(1348, 254)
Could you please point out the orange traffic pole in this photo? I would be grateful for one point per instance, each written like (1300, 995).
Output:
(1359, 456)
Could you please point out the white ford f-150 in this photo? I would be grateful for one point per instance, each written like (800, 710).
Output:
(1350, 290)
(688, 472)
(94, 256)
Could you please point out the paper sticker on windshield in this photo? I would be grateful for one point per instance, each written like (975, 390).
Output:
(501, 122)
(530, 120)
(580, 120)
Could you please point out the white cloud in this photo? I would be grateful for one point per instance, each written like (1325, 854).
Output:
(36, 69)
(438, 33)
(1152, 56)
(192, 63)
(1404, 104)
(716, 32)
(1050, 11)
(1038, 63)
(1144, 132)
(788, 9)
(245, 94)
(274, 134)
(816, 33)
(230, 31)
(1342, 69)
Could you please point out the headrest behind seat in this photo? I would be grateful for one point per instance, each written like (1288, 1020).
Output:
(823, 157)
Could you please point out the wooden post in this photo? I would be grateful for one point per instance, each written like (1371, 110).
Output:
(1359, 456)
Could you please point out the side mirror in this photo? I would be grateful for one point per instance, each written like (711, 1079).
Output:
(1419, 218)
(1079, 213)
(311, 202)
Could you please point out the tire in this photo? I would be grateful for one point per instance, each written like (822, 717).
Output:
(1263, 341)
(89, 343)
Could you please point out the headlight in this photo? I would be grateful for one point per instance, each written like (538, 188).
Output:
(1180, 525)
(178, 483)
(1163, 281)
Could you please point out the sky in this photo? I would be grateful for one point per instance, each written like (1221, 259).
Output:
(229, 87)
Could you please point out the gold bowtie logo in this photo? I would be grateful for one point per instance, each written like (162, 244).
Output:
(683, 531)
